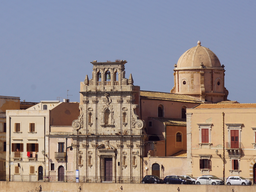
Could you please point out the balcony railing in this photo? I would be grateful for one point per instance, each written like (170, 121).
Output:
(60, 156)
(17, 155)
(32, 156)
(234, 149)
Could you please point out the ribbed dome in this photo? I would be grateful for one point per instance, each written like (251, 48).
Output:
(197, 55)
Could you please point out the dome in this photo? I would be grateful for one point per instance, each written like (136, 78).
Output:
(193, 58)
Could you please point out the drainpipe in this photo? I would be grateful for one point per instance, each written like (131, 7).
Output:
(223, 129)
(10, 148)
(165, 140)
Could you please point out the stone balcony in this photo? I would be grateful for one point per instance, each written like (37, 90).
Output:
(60, 156)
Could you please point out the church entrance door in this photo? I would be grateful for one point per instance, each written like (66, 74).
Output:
(108, 169)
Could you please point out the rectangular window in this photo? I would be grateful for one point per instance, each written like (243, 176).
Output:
(205, 135)
(32, 147)
(234, 138)
(4, 146)
(61, 147)
(205, 164)
(31, 127)
(31, 169)
(52, 166)
(4, 127)
(17, 147)
(17, 170)
(235, 165)
(17, 127)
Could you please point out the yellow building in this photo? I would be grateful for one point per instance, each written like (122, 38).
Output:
(221, 140)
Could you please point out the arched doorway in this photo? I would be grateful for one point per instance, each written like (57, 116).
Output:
(254, 173)
(40, 173)
(156, 169)
(61, 173)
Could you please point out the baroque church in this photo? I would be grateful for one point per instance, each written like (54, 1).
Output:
(109, 131)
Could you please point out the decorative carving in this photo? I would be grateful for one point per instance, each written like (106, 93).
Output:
(85, 101)
(124, 109)
(119, 100)
(95, 101)
(136, 122)
(129, 145)
(90, 109)
(76, 124)
(107, 100)
(129, 100)
(85, 145)
(95, 145)
(120, 145)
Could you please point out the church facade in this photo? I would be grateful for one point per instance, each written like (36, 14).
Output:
(108, 134)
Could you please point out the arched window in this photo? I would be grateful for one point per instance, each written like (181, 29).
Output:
(106, 117)
(107, 76)
(160, 111)
(115, 76)
(183, 112)
(98, 76)
(178, 137)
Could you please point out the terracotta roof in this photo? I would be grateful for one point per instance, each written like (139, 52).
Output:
(226, 105)
(168, 97)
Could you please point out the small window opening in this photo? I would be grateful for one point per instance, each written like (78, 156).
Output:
(107, 76)
(178, 137)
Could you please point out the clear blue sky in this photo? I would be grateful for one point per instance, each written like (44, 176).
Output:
(46, 46)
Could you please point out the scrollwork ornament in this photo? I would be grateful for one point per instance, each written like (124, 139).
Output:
(76, 124)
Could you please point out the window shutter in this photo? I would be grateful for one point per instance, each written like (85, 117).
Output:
(36, 147)
(13, 147)
(201, 162)
(209, 164)
(205, 135)
(16, 169)
(32, 169)
(233, 164)
(21, 147)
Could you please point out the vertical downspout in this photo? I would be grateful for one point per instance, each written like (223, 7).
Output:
(9, 148)
(223, 129)
(165, 140)
(66, 156)
(45, 148)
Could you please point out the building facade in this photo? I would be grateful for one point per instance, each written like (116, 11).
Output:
(27, 145)
(108, 133)
(221, 140)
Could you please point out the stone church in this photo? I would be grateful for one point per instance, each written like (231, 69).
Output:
(108, 133)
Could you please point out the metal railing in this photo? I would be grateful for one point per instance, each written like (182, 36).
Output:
(72, 179)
